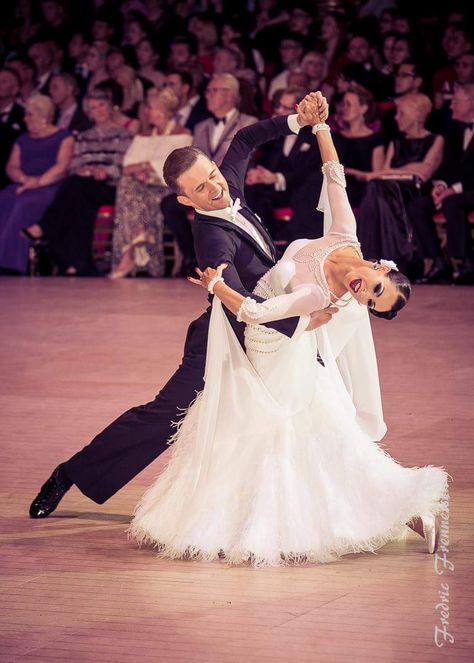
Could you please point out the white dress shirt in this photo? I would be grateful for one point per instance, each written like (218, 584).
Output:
(219, 128)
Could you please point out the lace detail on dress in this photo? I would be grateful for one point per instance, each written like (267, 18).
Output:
(250, 309)
(334, 171)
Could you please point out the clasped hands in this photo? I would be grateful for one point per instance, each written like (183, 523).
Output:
(317, 318)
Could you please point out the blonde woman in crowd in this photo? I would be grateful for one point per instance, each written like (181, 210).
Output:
(138, 232)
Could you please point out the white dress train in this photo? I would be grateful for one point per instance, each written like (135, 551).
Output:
(277, 459)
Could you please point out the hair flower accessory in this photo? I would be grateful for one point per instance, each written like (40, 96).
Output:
(388, 263)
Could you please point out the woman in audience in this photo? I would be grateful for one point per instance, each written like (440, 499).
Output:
(38, 162)
(114, 92)
(360, 148)
(95, 64)
(138, 231)
(147, 58)
(132, 87)
(95, 170)
(411, 161)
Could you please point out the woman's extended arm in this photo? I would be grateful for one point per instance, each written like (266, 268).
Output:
(13, 169)
(302, 301)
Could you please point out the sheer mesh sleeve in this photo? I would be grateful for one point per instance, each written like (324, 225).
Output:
(343, 219)
(302, 301)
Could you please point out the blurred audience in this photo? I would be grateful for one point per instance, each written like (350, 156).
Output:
(38, 162)
(138, 223)
(68, 224)
(410, 162)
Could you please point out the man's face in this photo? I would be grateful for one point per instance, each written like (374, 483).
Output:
(465, 68)
(224, 63)
(180, 54)
(359, 50)
(203, 186)
(462, 106)
(9, 87)
(42, 57)
(290, 52)
(179, 88)
(58, 90)
(286, 105)
(219, 98)
(406, 79)
(300, 21)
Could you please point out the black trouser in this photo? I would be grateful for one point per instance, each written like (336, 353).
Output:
(175, 218)
(68, 224)
(140, 435)
(458, 232)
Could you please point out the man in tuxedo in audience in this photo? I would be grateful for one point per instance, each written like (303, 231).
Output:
(11, 117)
(288, 169)
(213, 136)
(225, 230)
(453, 194)
(43, 54)
(192, 108)
(64, 90)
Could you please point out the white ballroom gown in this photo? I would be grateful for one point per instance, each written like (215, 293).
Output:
(277, 461)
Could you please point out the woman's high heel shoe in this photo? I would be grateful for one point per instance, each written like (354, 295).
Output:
(430, 532)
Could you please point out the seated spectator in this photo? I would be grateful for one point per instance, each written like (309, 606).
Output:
(456, 41)
(63, 90)
(204, 28)
(333, 42)
(212, 136)
(11, 117)
(182, 52)
(192, 107)
(26, 70)
(76, 56)
(411, 160)
(114, 92)
(132, 90)
(360, 67)
(38, 162)
(314, 65)
(286, 168)
(228, 60)
(464, 67)
(138, 223)
(408, 80)
(360, 149)
(56, 27)
(147, 58)
(291, 51)
(95, 63)
(42, 53)
(69, 222)
(135, 29)
(453, 193)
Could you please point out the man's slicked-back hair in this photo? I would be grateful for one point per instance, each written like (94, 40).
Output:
(177, 163)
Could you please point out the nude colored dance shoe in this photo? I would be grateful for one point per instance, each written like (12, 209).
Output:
(430, 531)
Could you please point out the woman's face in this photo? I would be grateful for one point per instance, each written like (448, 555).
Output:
(342, 83)
(35, 121)
(145, 54)
(329, 28)
(400, 52)
(99, 110)
(93, 58)
(371, 287)
(76, 46)
(158, 114)
(313, 66)
(133, 33)
(406, 117)
(387, 49)
(351, 108)
(228, 33)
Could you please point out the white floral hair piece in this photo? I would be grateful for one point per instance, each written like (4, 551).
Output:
(388, 263)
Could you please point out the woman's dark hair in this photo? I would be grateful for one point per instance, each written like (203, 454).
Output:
(366, 98)
(112, 90)
(177, 163)
(404, 291)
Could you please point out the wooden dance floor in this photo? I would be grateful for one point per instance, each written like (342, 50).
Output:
(76, 353)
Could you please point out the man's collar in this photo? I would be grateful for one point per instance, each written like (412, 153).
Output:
(225, 212)
(228, 116)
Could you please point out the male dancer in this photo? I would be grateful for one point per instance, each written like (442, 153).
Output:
(225, 230)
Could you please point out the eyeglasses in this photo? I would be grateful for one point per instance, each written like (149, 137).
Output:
(213, 90)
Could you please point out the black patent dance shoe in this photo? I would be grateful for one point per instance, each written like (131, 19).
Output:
(51, 494)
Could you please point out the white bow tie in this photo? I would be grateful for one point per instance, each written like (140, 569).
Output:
(234, 208)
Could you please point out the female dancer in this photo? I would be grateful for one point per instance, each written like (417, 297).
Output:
(275, 461)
